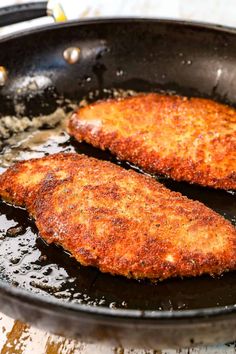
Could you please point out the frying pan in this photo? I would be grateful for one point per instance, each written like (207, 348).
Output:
(41, 284)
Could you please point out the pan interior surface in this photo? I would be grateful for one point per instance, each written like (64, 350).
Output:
(165, 56)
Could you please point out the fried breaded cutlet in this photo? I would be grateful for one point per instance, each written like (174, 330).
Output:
(187, 139)
(120, 221)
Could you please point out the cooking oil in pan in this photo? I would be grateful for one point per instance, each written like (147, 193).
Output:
(26, 261)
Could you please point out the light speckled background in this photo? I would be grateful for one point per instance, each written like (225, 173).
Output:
(16, 337)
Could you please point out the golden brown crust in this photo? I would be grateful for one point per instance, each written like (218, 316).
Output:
(120, 221)
(21, 182)
(190, 140)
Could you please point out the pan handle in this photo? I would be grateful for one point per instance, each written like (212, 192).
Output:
(10, 15)
(22, 12)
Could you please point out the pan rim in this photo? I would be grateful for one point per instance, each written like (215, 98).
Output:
(52, 304)
(107, 20)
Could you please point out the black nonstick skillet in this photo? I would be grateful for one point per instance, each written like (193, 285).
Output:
(45, 68)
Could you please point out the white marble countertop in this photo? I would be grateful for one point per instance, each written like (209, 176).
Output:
(16, 337)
